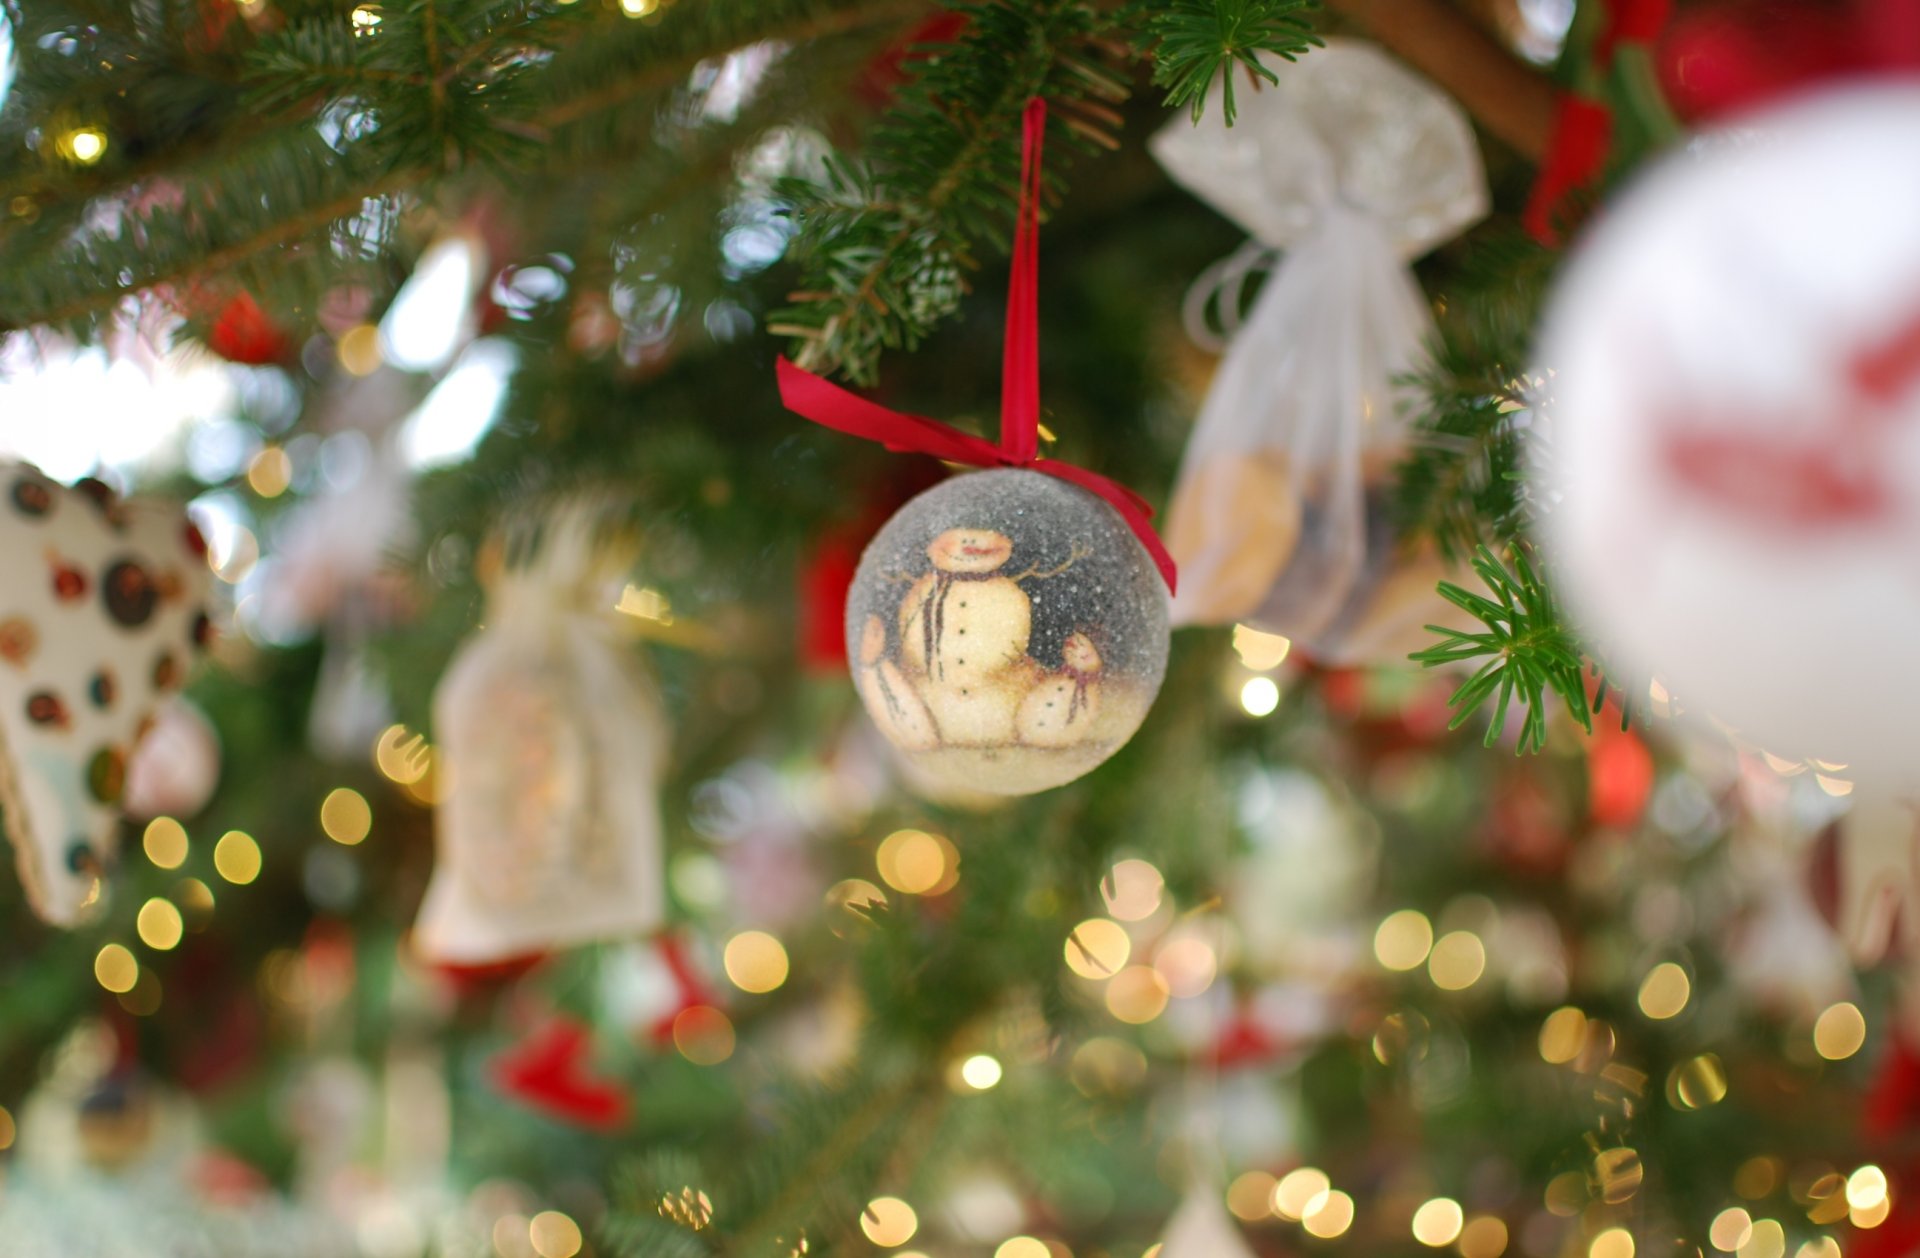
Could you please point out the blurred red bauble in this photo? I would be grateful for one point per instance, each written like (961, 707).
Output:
(244, 334)
(1728, 56)
(1619, 777)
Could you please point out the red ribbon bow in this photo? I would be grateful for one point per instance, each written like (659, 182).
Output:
(825, 403)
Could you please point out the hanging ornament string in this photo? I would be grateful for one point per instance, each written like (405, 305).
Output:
(815, 398)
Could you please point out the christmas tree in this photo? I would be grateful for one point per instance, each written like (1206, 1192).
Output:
(570, 844)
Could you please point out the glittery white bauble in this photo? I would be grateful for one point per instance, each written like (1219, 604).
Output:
(1731, 477)
(1007, 632)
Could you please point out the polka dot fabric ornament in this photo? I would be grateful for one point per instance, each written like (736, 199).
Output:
(1007, 632)
(1007, 629)
(102, 610)
(1732, 454)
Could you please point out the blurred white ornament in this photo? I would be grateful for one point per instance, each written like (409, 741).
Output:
(1879, 868)
(1733, 441)
(1354, 166)
(1781, 951)
(176, 767)
(1297, 891)
(552, 741)
(1202, 1228)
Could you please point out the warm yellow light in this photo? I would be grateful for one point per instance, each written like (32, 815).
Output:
(1137, 995)
(1566, 1193)
(638, 8)
(980, 1071)
(1665, 991)
(1615, 1242)
(1132, 890)
(1697, 1082)
(703, 1035)
(912, 861)
(854, 897)
(165, 843)
(1438, 1222)
(359, 347)
(1022, 1247)
(1457, 961)
(1403, 940)
(366, 19)
(644, 603)
(1259, 696)
(1250, 1196)
(1821, 1247)
(554, 1235)
(1757, 1177)
(116, 969)
(755, 961)
(1866, 1217)
(1730, 1229)
(270, 472)
(1332, 1217)
(1563, 1035)
(1300, 1192)
(85, 145)
(345, 816)
(1259, 650)
(7, 1129)
(1484, 1237)
(1187, 964)
(1839, 1031)
(236, 857)
(1866, 1188)
(1097, 948)
(159, 924)
(144, 1000)
(889, 1222)
(1767, 1240)
(195, 899)
(401, 755)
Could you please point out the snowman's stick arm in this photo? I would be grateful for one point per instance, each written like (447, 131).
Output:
(1080, 551)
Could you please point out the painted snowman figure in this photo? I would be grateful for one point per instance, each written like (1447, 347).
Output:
(898, 708)
(964, 629)
(1060, 710)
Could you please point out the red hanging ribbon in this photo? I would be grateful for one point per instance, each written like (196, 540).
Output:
(825, 403)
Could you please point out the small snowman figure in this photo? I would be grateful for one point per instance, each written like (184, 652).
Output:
(964, 629)
(1061, 708)
(898, 709)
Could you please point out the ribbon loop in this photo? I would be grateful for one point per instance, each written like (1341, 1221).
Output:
(827, 404)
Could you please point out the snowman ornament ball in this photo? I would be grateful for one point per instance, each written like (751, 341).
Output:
(1007, 632)
(1731, 471)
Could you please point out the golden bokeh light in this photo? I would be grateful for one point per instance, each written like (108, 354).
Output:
(1105, 1066)
(1697, 1082)
(1438, 1222)
(1260, 696)
(1250, 1196)
(85, 145)
(1187, 964)
(1757, 1177)
(1767, 1240)
(359, 350)
(1566, 1194)
(195, 899)
(1457, 961)
(1866, 1217)
(1665, 991)
(1730, 1229)
(1839, 1031)
(980, 1071)
(1259, 650)
(1097, 948)
(1132, 890)
(345, 816)
(889, 1222)
(116, 969)
(270, 472)
(1023, 1247)
(554, 1235)
(1820, 1247)
(703, 1035)
(1563, 1035)
(7, 1130)
(1300, 1192)
(1866, 1188)
(691, 1208)
(1618, 1172)
(401, 755)
(1615, 1242)
(144, 1000)
(755, 961)
(1826, 1198)
(236, 857)
(1332, 1217)
(1484, 1237)
(1137, 995)
(165, 843)
(160, 924)
(913, 861)
(1403, 940)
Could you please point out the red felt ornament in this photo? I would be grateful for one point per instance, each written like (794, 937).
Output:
(548, 1072)
(242, 333)
(1619, 777)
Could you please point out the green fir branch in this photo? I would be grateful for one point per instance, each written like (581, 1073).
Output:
(1194, 42)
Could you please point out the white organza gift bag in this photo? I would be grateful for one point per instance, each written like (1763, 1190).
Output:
(552, 740)
(1352, 166)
